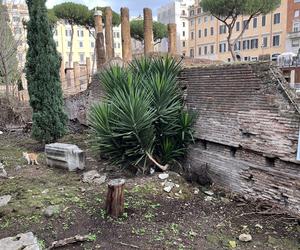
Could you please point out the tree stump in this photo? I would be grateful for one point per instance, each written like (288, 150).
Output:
(115, 197)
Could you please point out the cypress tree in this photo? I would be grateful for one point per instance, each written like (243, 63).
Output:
(42, 72)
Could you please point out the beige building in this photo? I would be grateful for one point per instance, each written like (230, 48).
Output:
(18, 13)
(265, 36)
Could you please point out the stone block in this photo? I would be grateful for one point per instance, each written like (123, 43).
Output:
(65, 156)
(25, 241)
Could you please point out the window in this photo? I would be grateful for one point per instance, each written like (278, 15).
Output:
(183, 44)
(183, 24)
(69, 44)
(56, 43)
(192, 12)
(237, 46)
(277, 18)
(297, 13)
(205, 50)
(199, 20)
(245, 24)
(295, 43)
(222, 29)
(276, 40)
(205, 19)
(205, 32)
(183, 33)
(222, 47)
(265, 42)
(16, 19)
(263, 21)
(80, 44)
(92, 44)
(192, 22)
(55, 32)
(212, 49)
(81, 58)
(296, 27)
(237, 26)
(199, 33)
(211, 31)
(192, 53)
(255, 23)
(199, 51)
(199, 11)
(183, 13)
(192, 35)
(254, 43)
(246, 44)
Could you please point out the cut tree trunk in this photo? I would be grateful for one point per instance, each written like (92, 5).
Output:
(115, 198)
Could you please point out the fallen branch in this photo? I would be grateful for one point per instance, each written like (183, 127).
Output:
(163, 168)
(128, 245)
(67, 241)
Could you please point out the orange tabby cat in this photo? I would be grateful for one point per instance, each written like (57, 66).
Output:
(31, 158)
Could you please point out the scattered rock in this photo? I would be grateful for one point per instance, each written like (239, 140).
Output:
(93, 177)
(259, 226)
(225, 200)
(245, 237)
(1, 132)
(208, 198)
(51, 210)
(163, 176)
(46, 191)
(196, 190)
(3, 173)
(209, 193)
(168, 186)
(232, 244)
(152, 171)
(25, 241)
(18, 168)
(4, 200)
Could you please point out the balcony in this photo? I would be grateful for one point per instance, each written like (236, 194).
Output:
(293, 35)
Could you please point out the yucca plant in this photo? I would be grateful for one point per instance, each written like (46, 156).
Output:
(142, 121)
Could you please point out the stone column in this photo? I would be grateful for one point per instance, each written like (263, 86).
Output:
(148, 32)
(63, 75)
(100, 47)
(88, 70)
(125, 33)
(109, 39)
(76, 70)
(98, 21)
(172, 38)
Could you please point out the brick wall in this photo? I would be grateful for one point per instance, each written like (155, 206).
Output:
(247, 131)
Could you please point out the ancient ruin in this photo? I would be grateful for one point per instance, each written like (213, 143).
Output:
(172, 39)
(109, 42)
(125, 33)
(148, 31)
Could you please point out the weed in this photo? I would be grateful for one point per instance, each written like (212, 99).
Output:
(92, 237)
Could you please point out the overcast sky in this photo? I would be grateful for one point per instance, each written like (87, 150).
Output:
(135, 6)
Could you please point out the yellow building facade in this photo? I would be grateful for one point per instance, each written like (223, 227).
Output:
(265, 36)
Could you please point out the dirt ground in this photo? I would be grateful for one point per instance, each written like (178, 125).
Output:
(153, 219)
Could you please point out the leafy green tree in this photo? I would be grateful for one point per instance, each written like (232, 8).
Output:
(52, 18)
(42, 73)
(9, 73)
(142, 120)
(228, 12)
(73, 14)
(160, 31)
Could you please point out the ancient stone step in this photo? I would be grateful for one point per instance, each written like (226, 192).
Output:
(66, 156)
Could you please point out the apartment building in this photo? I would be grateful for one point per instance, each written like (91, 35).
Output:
(17, 13)
(265, 37)
(293, 26)
(176, 12)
